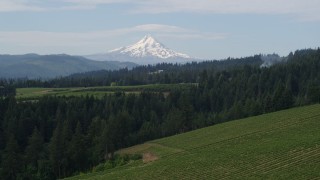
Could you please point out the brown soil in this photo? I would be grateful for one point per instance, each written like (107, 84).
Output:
(149, 157)
(43, 92)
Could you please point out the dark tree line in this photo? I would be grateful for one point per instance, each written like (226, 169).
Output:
(171, 74)
(56, 137)
(7, 88)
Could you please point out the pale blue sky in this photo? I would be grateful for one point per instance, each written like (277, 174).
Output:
(211, 29)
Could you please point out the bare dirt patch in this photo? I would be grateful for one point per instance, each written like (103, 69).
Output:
(149, 157)
(43, 92)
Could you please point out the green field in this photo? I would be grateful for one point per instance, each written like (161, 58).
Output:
(280, 145)
(34, 93)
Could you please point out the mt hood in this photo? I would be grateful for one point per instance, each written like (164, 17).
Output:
(146, 51)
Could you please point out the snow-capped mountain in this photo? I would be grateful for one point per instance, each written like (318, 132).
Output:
(146, 51)
(149, 47)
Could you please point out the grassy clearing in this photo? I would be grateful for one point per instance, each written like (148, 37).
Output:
(34, 93)
(280, 145)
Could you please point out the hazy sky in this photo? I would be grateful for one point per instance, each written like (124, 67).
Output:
(210, 29)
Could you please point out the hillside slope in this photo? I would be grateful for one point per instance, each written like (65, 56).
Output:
(280, 145)
(50, 66)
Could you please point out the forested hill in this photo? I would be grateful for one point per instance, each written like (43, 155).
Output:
(36, 66)
(164, 73)
(171, 73)
(56, 137)
(280, 145)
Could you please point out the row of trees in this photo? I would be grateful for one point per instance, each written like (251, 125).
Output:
(56, 137)
(170, 74)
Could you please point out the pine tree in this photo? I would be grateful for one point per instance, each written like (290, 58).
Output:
(34, 150)
(77, 151)
(56, 151)
(11, 160)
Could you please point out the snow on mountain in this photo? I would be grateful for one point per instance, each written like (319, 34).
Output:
(146, 51)
(147, 47)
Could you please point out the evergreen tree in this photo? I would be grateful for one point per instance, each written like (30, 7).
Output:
(56, 151)
(33, 155)
(34, 150)
(77, 150)
(11, 160)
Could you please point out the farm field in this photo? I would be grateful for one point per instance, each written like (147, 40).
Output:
(280, 145)
(34, 93)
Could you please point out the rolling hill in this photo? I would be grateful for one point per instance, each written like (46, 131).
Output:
(280, 145)
(50, 66)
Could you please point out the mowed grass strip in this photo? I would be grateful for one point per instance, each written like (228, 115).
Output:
(280, 145)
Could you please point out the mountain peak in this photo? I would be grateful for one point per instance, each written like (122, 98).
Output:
(148, 47)
(148, 37)
(148, 40)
